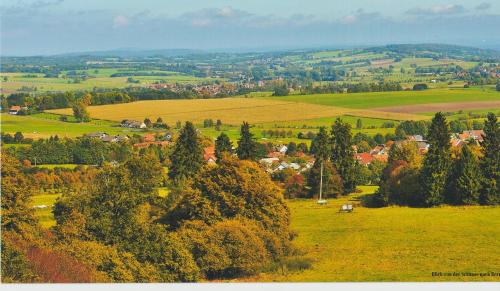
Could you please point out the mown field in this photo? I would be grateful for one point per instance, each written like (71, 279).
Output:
(392, 244)
(232, 110)
(102, 79)
(42, 126)
(386, 99)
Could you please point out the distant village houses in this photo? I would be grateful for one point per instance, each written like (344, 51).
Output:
(132, 124)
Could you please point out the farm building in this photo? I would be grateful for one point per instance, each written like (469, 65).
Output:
(14, 110)
(209, 155)
(132, 124)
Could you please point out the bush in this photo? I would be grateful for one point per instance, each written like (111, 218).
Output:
(420, 87)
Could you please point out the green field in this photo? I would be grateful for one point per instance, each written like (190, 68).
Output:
(393, 243)
(53, 166)
(102, 79)
(386, 99)
(45, 215)
(44, 125)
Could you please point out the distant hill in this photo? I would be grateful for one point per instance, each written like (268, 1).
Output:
(135, 53)
(437, 51)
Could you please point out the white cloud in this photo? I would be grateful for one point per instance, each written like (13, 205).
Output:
(438, 10)
(120, 21)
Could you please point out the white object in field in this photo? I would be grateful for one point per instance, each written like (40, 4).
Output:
(321, 201)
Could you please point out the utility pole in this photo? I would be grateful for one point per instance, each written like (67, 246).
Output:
(321, 200)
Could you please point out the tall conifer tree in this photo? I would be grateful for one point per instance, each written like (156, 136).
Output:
(490, 163)
(321, 145)
(223, 145)
(187, 157)
(247, 146)
(467, 181)
(343, 154)
(435, 170)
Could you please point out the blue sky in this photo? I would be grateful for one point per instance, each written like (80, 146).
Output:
(31, 27)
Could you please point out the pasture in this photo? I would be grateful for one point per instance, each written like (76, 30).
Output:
(43, 126)
(43, 204)
(375, 100)
(102, 79)
(393, 243)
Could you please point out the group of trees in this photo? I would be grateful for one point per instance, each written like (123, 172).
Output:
(158, 124)
(352, 88)
(221, 221)
(335, 151)
(83, 150)
(276, 133)
(17, 138)
(468, 176)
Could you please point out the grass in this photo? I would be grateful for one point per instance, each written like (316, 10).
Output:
(52, 166)
(16, 81)
(45, 215)
(393, 243)
(398, 98)
(37, 126)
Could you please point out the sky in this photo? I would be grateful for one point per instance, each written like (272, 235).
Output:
(45, 27)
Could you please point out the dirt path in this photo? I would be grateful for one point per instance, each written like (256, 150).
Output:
(435, 107)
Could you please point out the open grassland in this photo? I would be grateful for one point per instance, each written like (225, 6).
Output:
(42, 126)
(229, 110)
(435, 107)
(385, 99)
(102, 79)
(43, 204)
(394, 243)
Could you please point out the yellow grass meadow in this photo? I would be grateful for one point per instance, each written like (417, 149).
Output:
(229, 110)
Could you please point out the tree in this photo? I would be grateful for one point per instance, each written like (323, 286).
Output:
(379, 138)
(16, 196)
(405, 151)
(148, 122)
(247, 148)
(490, 163)
(18, 137)
(233, 188)
(302, 147)
(294, 186)
(218, 125)
(343, 154)
(420, 87)
(466, 180)
(223, 145)
(434, 173)
(498, 87)
(80, 112)
(291, 149)
(187, 156)
(332, 182)
(320, 146)
(359, 124)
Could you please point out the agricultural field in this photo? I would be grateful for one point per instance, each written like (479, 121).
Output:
(16, 82)
(386, 99)
(391, 244)
(44, 125)
(229, 110)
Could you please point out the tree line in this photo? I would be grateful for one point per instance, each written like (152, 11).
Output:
(466, 177)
